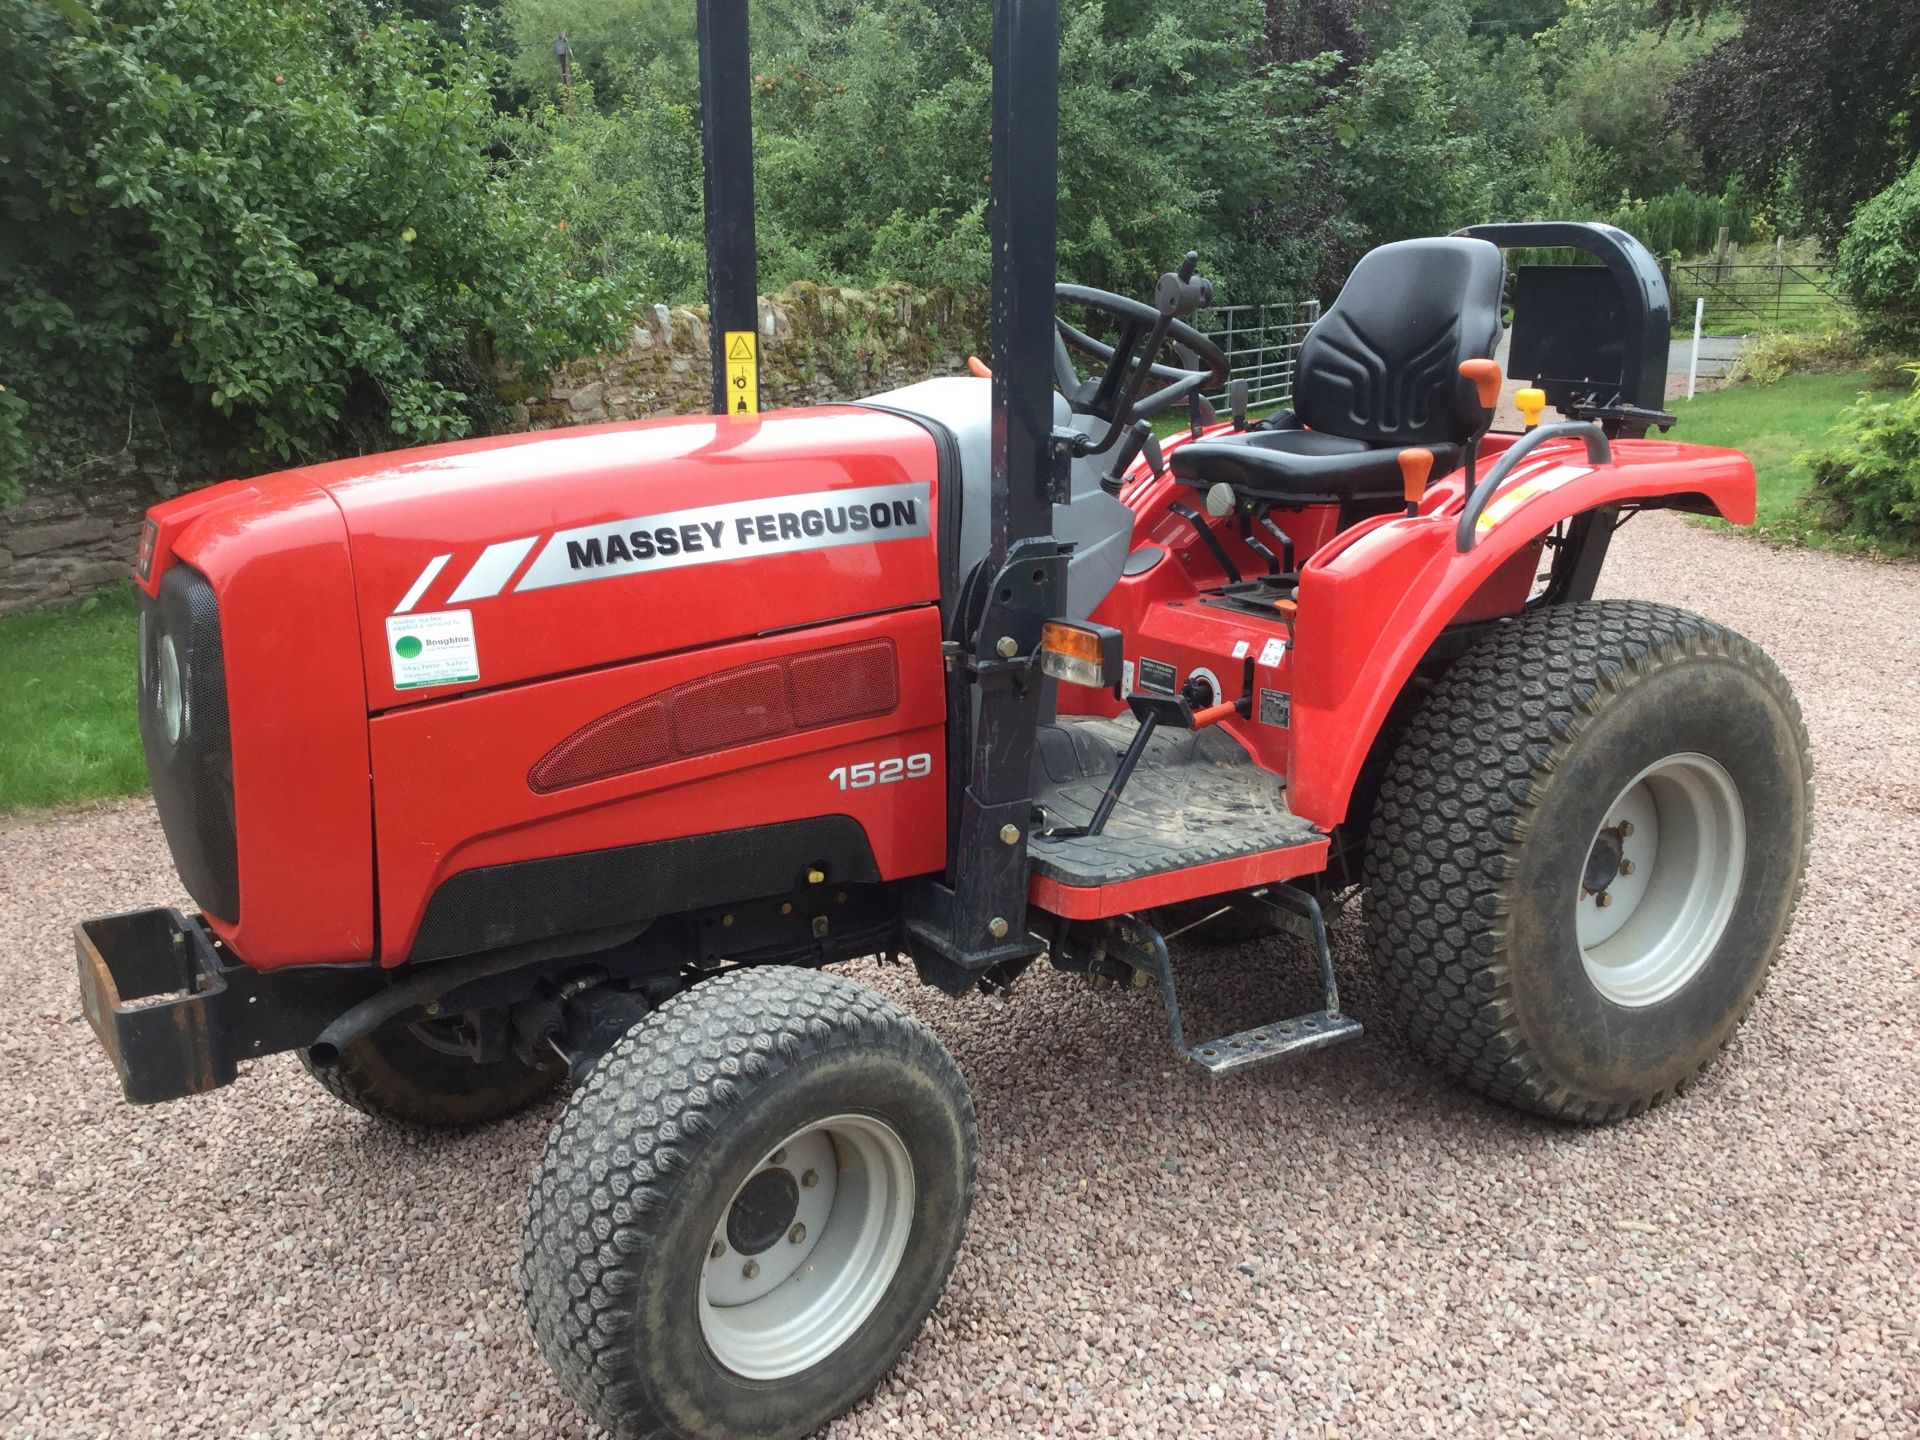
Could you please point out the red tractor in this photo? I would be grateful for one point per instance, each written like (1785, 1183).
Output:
(576, 757)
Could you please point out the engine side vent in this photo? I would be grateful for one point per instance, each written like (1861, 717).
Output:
(732, 707)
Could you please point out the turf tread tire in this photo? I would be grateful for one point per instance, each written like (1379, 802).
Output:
(1453, 814)
(604, 1188)
(392, 1075)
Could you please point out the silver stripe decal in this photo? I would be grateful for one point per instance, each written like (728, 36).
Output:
(492, 570)
(412, 597)
(736, 530)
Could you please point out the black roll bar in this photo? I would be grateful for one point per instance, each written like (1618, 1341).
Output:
(1646, 314)
(726, 153)
(975, 917)
(1024, 205)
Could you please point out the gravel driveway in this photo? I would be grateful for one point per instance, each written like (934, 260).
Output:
(1344, 1246)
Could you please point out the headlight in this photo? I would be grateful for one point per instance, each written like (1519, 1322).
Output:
(172, 708)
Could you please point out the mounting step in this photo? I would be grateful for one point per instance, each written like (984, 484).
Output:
(1275, 1042)
(1296, 912)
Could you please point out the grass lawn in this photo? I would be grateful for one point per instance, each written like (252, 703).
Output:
(67, 726)
(1773, 424)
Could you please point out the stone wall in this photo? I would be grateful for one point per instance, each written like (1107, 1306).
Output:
(818, 344)
(69, 537)
(65, 540)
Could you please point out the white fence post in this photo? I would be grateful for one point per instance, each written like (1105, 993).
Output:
(1693, 365)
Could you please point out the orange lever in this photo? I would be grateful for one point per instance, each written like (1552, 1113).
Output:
(1214, 714)
(978, 368)
(1486, 377)
(1416, 464)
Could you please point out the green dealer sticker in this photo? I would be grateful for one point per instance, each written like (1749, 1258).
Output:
(436, 649)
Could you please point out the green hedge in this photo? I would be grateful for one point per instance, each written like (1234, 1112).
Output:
(269, 231)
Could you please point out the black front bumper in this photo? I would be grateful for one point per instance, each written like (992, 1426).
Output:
(177, 1013)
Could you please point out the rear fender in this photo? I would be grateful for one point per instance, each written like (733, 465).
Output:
(1373, 603)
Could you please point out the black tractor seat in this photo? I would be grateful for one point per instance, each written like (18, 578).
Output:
(1377, 374)
(1299, 466)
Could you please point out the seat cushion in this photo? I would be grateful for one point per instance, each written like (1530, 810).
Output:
(1383, 364)
(1300, 466)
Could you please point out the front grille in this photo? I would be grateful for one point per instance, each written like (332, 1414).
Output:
(183, 728)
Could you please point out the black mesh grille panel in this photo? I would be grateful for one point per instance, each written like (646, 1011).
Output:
(532, 900)
(184, 730)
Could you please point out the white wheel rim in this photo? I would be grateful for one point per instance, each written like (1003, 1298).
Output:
(836, 1198)
(1668, 858)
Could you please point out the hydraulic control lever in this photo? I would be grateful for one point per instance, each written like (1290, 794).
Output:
(1151, 711)
(1181, 292)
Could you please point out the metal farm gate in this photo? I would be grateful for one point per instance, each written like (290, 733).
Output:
(1262, 344)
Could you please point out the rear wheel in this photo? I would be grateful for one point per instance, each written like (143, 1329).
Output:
(427, 1074)
(748, 1209)
(1586, 852)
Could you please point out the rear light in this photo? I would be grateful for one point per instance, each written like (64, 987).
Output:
(149, 535)
(1081, 654)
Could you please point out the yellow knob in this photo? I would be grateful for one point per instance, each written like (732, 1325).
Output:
(1530, 402)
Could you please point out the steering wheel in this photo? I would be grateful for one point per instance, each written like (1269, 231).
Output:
(1113, 396)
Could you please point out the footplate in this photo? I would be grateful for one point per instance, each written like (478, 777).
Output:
(1275, 1042)
(1294, 911)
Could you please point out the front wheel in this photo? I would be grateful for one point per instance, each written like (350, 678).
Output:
(428, 1074)
(748, 1209)
(1586, 852)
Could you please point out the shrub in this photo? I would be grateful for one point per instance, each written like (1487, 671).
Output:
(276, 225)
(1869, 481)
(621, 188)
(1773, 357)
(1880, 261)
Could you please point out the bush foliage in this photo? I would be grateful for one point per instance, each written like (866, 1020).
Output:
(1880, 261)
(235, 234)
(1869, 479)
(262, 232)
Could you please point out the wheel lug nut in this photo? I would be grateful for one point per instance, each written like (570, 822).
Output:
(779, 1157)
(750, 1269)
(796, 1234)
(1626, 828)
(1626, 867)
(810, 1179)
(1603, 899)
(719, 1249)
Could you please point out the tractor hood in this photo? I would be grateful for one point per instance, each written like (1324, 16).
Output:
(494, 562)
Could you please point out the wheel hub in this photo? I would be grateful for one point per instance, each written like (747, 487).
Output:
(1603, 861)
(807, 1247)
(1660, 879)
(763, 1211)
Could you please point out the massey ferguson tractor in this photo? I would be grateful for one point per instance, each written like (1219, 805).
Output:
(576, 759)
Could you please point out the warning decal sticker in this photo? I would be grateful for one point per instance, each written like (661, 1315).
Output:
(432, 649)
(743, 372)
(1158, 675)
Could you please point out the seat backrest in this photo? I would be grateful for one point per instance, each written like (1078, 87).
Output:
(1383, 364)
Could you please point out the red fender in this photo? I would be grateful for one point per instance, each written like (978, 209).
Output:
(1373, 602)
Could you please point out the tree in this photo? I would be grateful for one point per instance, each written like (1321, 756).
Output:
(1613, 97)
(1880, 262)
(1823, 99)
(274, 231)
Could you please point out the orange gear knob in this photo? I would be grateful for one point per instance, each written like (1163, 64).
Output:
(1486, 378)
(1416, 464)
